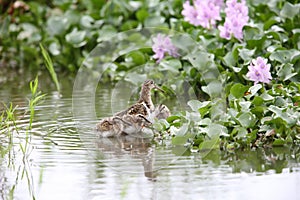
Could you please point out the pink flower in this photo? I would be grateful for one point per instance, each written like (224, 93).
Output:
(162, 45)
(236, 18)
(259, 71)
(204, 12)
(190, 14)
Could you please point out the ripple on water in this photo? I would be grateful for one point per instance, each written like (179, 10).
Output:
(74, 164)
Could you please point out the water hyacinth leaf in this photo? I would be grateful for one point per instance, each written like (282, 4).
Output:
(285, 56)
(238, 90)
(172, 65)
(201, 60)
(193, 116)
(258, 111)
(252, 33)
(141, 15)
(129, 24)
(179, 140)
(196, 105)
(283, 115)
(57, 25)
(279, 142)
(246, 54)
(247, 120)
(286, 72)
(229, 59)
(54, 48)
(213, 89)
(266, 96)
(172, 118)
(289, 10)
(280, 102)
(241, 132)
(136, 57)
(106, 33)
(135, 78)
(254, 89)
(182, 130)
(257, 101)
(217, 130)
(87, 21)
(210, 144)
(155, 21)
(76, 38)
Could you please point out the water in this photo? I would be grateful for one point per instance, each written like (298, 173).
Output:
(65, 160)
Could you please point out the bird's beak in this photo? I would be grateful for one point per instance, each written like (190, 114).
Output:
(158, 88)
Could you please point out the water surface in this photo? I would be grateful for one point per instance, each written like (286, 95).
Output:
(66, 160)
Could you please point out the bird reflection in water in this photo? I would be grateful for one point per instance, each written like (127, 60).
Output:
(136, 147)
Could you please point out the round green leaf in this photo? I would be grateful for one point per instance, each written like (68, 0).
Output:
(238, 90)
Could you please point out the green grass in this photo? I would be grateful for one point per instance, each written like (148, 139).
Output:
(50, 67)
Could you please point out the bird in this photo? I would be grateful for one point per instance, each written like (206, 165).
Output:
(144, 105)
(125, 125)
(161, 112)
(137, 117)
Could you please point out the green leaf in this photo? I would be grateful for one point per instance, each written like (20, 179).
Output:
(195, 104)
(136, 57)
(179, 131)
(172, 118)
(135, 78)
(254, 89)
(172, 65)
(284, 56)
(76, 38)
(216, 130)
(57, 25)
(213, 89)
(229, 59)
(238, 90)
(247, 120)
(141, 15)
(87, 21)
(155, 21)
(279, 142)
(257, 101)
(286, 72)
(289, 10)
(54, 48)
(210, 144)
(201, 60)
(246, 54)
(179, 140)
(258, 111)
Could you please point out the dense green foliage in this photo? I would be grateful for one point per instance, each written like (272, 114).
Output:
(233, 112)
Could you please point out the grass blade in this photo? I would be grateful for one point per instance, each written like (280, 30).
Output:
(50, 67)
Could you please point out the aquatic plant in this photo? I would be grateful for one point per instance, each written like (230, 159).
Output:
(9, 128)
(220, 61)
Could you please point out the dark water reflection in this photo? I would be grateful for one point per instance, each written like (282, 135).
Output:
(66, 160)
